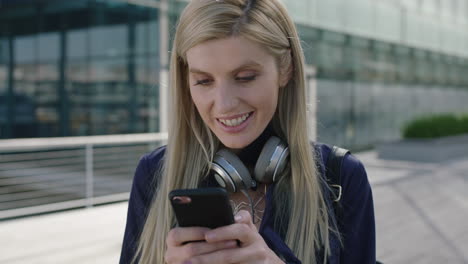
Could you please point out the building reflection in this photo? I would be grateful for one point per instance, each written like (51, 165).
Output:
(89, 67)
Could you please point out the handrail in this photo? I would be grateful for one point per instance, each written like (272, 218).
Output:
(40, 175)
(61, 142)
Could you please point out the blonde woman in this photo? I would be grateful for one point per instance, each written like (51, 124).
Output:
(237, 81)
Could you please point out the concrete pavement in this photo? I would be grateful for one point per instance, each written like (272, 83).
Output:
(421, 210)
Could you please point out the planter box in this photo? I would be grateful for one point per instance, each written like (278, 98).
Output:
(425, 150)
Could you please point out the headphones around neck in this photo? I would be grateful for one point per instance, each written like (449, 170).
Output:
(233, 175)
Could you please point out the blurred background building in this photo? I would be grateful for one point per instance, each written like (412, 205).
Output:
(381, 63)
(91, 67)
(99, 67)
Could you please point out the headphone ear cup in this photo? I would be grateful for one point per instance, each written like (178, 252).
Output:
(230, 172)
(272, 160)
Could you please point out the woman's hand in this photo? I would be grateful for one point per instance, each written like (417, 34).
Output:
(252, 249)
(179, 251)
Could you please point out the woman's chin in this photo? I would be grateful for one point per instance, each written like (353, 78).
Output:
(236, 144)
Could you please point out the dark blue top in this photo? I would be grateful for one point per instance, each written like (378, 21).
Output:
(357, 230)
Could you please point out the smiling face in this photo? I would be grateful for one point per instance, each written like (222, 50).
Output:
(234, 84)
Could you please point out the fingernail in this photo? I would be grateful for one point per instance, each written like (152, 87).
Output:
(238, 217)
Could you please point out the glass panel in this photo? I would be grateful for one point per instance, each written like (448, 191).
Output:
(421, 67)
(3, 66)
(437, 70)
(364, 70)
(79, 96)
(147, 93)
(108, 70)
(404, 62)
(331, 60)
(453, 73)
(153, 28)
(25, 79)
(47, 100)
(358, 58)
(48, 46)
(77, 43)
(385, 62)
(147, 34)
(309, 38)
(141, 38)
(4, 54)
(25, 76)
(311, 51)
(109, 40)
(25, 49)
(108, 96)
(464, 69)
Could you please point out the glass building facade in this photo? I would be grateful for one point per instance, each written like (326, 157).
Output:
(91, 67)
(82, 67)
(368, 89)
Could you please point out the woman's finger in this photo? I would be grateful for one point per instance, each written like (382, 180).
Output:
(244, 217)
(200, 248)
(238, 231)
(181, 235)
(230, 256)
(194, 249)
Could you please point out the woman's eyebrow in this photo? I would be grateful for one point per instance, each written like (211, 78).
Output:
(195, 70)
(247, 64)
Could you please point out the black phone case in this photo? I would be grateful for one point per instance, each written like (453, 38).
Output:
(209, 207)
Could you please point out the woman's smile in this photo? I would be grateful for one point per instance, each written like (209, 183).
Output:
(237, 123)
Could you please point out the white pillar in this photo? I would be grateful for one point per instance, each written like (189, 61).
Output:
(164, 65)
(311, 89)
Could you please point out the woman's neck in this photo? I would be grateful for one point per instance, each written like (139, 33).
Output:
(250, 153)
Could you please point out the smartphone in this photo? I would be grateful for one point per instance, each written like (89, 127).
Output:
(204, 207)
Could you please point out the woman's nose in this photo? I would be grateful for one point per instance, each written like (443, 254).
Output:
(226, 99)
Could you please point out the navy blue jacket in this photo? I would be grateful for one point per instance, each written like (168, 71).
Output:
(357, 230)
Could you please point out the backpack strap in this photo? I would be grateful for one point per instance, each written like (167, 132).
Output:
(333, 176)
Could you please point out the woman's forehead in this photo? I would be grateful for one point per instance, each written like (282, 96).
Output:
(227, 54)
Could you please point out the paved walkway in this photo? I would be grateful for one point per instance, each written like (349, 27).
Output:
(421, 212)
(78, 236)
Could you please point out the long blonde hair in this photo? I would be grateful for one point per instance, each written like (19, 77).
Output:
(191, 145)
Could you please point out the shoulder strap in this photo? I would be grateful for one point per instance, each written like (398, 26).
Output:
(333, 176)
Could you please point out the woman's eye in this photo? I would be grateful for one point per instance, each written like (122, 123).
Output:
(246, 78)
(202, 82)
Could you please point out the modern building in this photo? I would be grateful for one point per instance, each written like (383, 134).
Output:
(93, 67)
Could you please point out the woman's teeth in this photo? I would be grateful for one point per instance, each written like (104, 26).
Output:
(234, 122)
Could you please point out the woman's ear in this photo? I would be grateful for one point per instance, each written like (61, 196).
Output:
(286, 76)
(286, 73)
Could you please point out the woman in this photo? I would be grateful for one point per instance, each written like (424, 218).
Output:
(237, 80)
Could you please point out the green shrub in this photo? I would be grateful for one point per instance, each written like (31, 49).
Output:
(441, 125)
(464, 123)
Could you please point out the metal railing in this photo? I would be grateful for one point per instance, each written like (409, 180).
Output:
(50, 174)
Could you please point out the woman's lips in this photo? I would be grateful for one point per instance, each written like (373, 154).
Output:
(236, 128)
